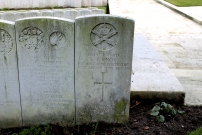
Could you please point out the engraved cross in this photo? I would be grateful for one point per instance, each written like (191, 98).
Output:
(103, 84)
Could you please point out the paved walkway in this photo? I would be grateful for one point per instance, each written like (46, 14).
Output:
(177, 39)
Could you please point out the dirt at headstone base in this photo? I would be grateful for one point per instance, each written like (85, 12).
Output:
(140, 123)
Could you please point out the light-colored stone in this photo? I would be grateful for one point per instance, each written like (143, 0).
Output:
(25, 3)
(20, 15)
(58, 13)
(97, 11)
(86, 2)
(104, 2)
(91, 8)
(35, 3)
(70, 14)
(46, 13)
(46, 70)
(9, 16)
(96, 2)
(84, 12)
(103, 63)
(33, 13)
(63, 3)
(151, 78)
(9, 85)
(1, 15)
(75, 3)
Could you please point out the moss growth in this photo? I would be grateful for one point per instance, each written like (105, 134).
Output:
(120, 115)
(5, 60)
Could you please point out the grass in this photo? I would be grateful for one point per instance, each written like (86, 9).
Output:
(197, 132)
(185, 3)
(104, 8)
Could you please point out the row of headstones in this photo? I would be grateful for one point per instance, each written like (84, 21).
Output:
(64, 71)
(50, 3)
(62, 13)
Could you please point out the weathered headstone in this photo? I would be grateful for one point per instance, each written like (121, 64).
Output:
(103, 63)
(58, 13)
(9, 16)
(84, 12)
(86, 2)
(9, 85)
(96, 2)
(70, 14)
(21, 14)
(46, 70)
(75, 3)
(33, 13)
(97, 11)
(46, 13)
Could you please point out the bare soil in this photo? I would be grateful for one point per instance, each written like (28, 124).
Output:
(140, 123)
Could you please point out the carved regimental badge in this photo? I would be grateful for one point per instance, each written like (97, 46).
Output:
(104, 36)
(31, 37)
(57, 39)
(6, 42)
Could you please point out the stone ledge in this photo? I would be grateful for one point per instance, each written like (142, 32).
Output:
(151, 78)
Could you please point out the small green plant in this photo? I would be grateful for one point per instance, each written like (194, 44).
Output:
(5, 9)
(37, 130)
(162, 110)
(196, 132)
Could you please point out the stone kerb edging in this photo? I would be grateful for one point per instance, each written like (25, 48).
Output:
(68, 13)
(175, 8)
(63, 71)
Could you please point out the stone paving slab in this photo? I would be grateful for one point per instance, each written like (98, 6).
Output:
(151, 78)
(176, 38)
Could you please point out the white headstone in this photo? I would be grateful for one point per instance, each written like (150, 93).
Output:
(96, 2)
(25, 3)
(86, 3)
(20, 15)
(42, 3)
(104, 2)
(75, 3)
(84, 12)
(9, 16)
(1, 15)
(46, 13)
(35, 3)
(46, 70)
(97, 11)
(70, 14)
(58, 13)
(103, 64)
(10, 112)
(63, 3)
(33, 13)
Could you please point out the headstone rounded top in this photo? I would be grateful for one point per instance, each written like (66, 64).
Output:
(6, 42)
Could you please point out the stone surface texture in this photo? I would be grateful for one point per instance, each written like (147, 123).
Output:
(103, 63)
(151, 77)
(177, 40)
(46, 70)
(9, 85)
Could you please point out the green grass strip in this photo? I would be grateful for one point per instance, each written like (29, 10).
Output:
(185, 3)
(196, 132)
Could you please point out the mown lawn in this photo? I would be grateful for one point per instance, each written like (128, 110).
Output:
(185, 3)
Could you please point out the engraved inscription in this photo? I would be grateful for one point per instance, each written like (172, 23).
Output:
(31, 37)
(103, 83)
(6, 42)
(57, 39)
(104, 36)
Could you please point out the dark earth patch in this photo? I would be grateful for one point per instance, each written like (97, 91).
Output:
(140, 123)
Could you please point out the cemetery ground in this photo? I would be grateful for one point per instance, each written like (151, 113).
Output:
(140, 123)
